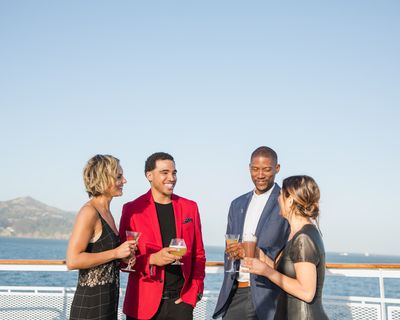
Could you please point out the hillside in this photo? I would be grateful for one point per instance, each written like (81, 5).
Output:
(28, 218)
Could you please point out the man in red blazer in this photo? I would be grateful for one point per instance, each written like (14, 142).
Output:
(159, 289)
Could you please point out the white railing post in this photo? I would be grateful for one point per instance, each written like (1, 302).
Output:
(382, 294)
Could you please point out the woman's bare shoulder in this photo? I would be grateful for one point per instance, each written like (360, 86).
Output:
(87, 213)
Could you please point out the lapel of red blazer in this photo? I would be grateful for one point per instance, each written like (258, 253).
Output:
(178, 215)
(151, 214)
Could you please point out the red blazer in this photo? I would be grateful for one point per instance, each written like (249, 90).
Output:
(145, 286)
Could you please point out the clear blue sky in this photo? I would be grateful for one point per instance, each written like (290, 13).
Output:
(208, 82)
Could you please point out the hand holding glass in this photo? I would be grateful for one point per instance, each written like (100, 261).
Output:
(131, 235)
(181, 246)
(230, 238)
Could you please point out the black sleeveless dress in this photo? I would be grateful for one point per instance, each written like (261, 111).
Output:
(305, 246)
(97, 293)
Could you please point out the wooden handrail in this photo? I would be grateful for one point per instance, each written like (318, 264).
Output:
(220, 264)
(362, 266)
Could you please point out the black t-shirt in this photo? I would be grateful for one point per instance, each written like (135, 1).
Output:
(173, 273)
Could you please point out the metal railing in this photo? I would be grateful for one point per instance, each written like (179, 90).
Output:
(31, 302)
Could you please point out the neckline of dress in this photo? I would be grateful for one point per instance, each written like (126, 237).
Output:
(105, 221)
(298, 231)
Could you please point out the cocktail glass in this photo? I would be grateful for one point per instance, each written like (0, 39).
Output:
(230, 238)
(131, 235)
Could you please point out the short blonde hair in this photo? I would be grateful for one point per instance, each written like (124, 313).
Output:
(100, 171)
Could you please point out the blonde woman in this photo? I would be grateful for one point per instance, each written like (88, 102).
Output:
(94, 247)
(300, 269)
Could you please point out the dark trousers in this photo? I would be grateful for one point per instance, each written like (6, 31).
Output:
(168, 310)
(241, 306)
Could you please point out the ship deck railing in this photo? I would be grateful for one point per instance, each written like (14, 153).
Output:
(44, 302)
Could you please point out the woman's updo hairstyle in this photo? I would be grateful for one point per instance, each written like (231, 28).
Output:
(305, 193)
(98, 174)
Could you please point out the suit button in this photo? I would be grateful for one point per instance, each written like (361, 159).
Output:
(160, 280)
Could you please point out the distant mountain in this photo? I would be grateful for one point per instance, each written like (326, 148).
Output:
(29, 218)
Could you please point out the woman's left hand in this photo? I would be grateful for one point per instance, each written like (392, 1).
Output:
(255, 266)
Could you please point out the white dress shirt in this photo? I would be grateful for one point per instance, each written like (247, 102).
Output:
(253, 214)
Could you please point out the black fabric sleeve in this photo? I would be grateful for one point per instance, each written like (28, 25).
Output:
(304, 249)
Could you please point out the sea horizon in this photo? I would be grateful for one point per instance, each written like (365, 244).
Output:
(213, 247)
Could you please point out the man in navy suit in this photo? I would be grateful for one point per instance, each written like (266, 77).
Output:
(244, 295)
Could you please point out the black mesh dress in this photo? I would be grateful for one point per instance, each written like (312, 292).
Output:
(305, 246)
(97, 293)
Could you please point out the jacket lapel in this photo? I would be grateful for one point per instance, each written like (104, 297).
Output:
(268, 209)
(178, 216)
(243, 211)
(152, 216)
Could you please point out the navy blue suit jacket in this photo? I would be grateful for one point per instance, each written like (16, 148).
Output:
(272, 233)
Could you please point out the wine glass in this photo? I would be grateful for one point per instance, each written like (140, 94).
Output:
(131, 235)
(230, 238)
(181, 246)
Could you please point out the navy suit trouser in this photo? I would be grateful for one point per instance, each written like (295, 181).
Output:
(241, 306)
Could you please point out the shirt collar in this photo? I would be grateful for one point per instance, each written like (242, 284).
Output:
(263, 195)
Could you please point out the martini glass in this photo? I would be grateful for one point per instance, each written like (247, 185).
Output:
(131, 235)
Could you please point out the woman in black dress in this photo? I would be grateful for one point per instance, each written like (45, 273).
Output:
(94, 246)
(300, 269)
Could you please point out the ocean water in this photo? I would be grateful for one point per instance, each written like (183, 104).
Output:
(18, 248)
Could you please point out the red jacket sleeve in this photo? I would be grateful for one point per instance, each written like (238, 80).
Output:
(142, 255)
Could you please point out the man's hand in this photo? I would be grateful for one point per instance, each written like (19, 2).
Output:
(164, 257)
(235, 251)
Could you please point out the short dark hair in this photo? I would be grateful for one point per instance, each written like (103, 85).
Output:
(150, 163)
(266, 152)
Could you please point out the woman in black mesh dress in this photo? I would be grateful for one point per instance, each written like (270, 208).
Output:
(300, 269)
(94, 246)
